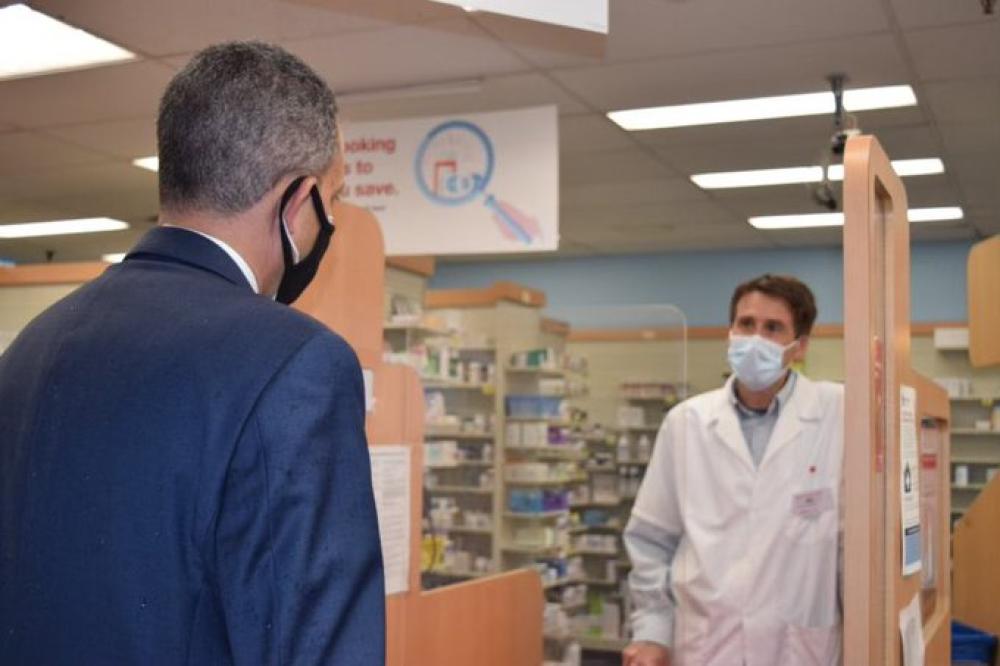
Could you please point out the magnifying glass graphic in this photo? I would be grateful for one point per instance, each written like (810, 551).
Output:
(454, 165)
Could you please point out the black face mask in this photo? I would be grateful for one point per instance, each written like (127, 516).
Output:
(297, 276)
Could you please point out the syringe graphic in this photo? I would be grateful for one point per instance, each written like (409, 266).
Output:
(512, 222)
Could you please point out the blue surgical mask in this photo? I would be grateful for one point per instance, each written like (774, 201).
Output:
(756, 361)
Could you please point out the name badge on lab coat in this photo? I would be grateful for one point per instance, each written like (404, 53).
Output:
(812, 503)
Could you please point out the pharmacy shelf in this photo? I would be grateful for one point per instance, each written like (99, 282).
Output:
(447, 573)
(553, 373)
(549, 420)
(552, 483)
(414, 329)
(541, 515)
(457, 490)
(461, 529)
(596, 553)
(613, 528)
(625, 463)
(974, 432)
(596, 503)
(525, 549)
(969, 486)
(551, 452)
(645, 428)
(553, 584)
(431, 433)
(433, 384)
(601, 643)
(597, 582)
(963, 460)
(474, 463)
(976, 398)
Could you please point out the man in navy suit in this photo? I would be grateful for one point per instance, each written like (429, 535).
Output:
(184, 476)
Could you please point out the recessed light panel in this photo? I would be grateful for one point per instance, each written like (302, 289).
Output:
(32, 43)
(61, 227)
(761, 108)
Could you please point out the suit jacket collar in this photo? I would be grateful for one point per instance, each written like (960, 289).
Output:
(182, 246)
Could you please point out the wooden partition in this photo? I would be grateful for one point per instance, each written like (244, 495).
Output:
(984, 303)
(976, 545)
(495, 621)
(877, 360)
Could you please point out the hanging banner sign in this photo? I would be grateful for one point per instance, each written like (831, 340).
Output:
(482, 183)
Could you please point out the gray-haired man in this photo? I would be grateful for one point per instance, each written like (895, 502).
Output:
(184, 475)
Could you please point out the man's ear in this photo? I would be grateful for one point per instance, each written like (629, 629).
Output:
(799, 353)
(294, 207)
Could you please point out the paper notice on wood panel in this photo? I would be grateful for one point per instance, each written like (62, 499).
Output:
(391, 484)
(909, 480)
(911, 629)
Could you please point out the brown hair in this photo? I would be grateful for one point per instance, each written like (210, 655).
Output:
(791, 290)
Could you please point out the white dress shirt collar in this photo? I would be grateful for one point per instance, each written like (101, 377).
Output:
(233, 254)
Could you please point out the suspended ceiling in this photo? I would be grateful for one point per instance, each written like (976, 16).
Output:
(67, 140)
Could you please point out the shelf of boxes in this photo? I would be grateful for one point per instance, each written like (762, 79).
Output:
(460, 454)
(458, 490)
(975, 445)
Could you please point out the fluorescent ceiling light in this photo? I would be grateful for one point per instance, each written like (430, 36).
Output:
(935, 214)
(32, 43)
(113, 258)
(761, 108)
(152, 162)
(813, 174)
(810, 220)
(590, 15)
(61, 227)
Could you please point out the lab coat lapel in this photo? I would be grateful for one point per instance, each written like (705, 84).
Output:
(726, 426)
(801, 408)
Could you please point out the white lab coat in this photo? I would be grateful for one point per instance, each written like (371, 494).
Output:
(755, 576)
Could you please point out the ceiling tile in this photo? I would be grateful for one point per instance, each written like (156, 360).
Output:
(926, 13)
(868, 61)
(790, 142)
(961, 52)
(407, 55)
(127, 139)
(83, 182)
(102, 94)
(496, 93)
(589, 133)
(972, 138)
(23, 151)
(162, 28)
(963, 101)
(630, 192)
(612, 166)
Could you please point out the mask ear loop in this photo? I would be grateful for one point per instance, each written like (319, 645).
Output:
(288, 249)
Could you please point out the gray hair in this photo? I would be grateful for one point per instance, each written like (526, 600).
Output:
(235, 121)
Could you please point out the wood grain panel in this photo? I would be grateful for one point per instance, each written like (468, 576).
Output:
(423, 266)
(976, 545)
(61, 273)
(984, 303)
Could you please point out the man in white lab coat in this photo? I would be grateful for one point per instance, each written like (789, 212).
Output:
(735, 534)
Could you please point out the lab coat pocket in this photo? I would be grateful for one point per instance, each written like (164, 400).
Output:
(811, 646)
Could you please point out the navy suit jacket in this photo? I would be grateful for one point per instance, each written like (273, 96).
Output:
(184, 476)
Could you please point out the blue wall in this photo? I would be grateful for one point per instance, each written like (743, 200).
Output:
(700, 283)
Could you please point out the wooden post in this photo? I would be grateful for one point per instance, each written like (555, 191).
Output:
(877, 358)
